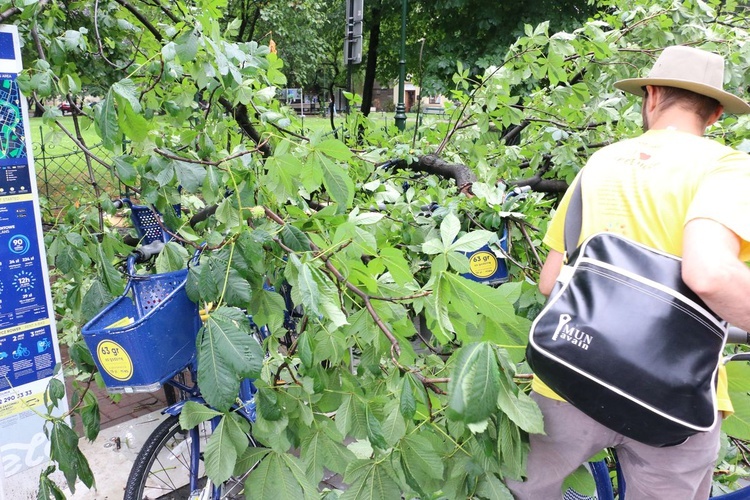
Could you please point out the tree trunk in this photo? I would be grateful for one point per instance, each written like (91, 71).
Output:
(372, 58)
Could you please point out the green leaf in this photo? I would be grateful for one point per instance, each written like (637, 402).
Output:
(83, 469)
(226, 442)
(187, 46)
(132, 123)
(374, 429)
(337, 456)
(208, 282)
(90, 417)
(471, 241)
(125, 169)
(329, 298)
(296, 467)
(249, 459)
(283, 175)
(69, 259)
(312, 288)
(237, 291)
(487, 301)
(420, 459)
(63, 447)
(489, 486)
(172, 258)
(520, 408)
(394, 426)
(47, 488)
(268, 308)
(272, 478)
(81, 355)
(337, 182)
(305, 289)
(433, 246)
(335, 149)
(474, 384)
(438, 310)
(127, 90)
(229, 330)
(227, 352)
(95, 299)
(397, 265)
(190, 176)
(408, 403)
(370, 480)
(512, 448)
(738, 423)
(106, 121)
(581, 481)
(313, 453)
(449, 229)
(194, 413)
(55, 391)
(267, 402)
(294, 238)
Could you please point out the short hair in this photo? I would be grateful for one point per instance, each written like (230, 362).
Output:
(703, 105)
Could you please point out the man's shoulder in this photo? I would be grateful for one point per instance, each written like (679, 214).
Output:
(683, 144)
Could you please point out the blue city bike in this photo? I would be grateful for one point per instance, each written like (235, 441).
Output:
(154, 345)
(607, 473)
(145, 340)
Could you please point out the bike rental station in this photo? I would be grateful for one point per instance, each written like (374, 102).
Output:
(29, 350)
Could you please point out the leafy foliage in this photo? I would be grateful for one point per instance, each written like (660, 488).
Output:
(404, 377)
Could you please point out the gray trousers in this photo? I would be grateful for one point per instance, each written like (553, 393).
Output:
(681, 472)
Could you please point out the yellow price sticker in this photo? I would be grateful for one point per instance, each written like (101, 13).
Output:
(114, 360)
(483, 264)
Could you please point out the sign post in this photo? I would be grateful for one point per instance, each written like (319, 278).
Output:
(29, 350)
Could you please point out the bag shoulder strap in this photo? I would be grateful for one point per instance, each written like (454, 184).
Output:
(573, 219)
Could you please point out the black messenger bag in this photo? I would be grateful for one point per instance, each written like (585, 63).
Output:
(624, 340)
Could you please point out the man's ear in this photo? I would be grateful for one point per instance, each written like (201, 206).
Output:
(652, 97)
(715, 116)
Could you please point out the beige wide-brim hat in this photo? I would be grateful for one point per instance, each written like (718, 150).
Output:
(691, 69)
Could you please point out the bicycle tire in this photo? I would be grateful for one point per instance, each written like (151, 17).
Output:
(162, 468)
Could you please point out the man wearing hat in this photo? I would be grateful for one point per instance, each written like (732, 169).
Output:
(672, 189)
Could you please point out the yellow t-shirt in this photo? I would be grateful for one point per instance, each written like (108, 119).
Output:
(649, 187)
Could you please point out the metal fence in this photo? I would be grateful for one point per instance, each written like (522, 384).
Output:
(65, 177)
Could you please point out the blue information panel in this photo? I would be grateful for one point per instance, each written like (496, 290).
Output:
(28, 339)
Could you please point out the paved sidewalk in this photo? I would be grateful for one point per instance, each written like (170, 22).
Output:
(125, 425)
(129, 407)
(111, 457)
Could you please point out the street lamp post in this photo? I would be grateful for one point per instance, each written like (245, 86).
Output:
(400, 107)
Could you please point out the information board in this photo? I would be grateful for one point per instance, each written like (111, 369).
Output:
(28, 339)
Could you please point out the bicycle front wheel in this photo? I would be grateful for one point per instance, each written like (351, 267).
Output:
(171, 461)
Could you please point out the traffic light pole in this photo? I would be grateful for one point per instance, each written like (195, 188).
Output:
(400, 107)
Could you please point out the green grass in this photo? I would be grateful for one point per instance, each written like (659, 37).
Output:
(54, 137)
(62, 171)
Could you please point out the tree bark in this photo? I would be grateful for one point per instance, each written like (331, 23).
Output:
(239, 113)
(464, 176)
(372, 58)
(433, 164)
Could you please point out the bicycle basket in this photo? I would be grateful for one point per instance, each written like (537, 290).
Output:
(148, 224)
(487, 265)
(147, 335)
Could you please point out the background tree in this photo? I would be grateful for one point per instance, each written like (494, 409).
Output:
(197, 106)
(473, 32)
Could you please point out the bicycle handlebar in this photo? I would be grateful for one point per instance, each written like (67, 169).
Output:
(142, 254)
(121, 202)
(737, 336)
